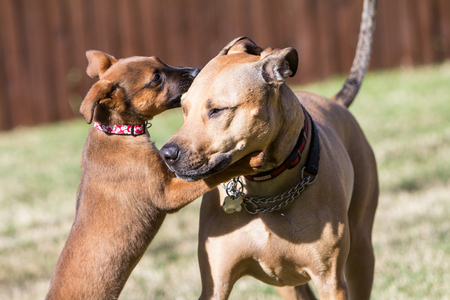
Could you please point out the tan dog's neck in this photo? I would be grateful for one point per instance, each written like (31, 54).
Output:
(286, 137)
(281, 147)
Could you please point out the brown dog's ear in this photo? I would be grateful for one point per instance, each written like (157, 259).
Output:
(99, 91)
(278, 65)
(239, 45)
(99, 62)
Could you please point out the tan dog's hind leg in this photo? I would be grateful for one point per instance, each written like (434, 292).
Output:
(361, 262)
(359, 268)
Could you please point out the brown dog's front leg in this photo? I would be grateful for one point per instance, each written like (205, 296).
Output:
(179, 193)
(107, 240)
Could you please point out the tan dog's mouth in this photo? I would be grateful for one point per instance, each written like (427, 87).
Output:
(191, 167)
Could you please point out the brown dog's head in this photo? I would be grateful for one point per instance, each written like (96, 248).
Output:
(132, 90)
(232, 109)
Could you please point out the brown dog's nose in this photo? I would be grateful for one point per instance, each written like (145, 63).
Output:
(194, 72)
(169, 153)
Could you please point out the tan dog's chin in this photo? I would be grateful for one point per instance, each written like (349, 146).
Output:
(221, 162)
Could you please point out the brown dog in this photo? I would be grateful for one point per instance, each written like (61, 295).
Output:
(309, 216)
(125, 189)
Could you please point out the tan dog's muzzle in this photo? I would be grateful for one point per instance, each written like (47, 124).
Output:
(192, 166)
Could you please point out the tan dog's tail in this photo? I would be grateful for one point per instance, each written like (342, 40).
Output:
(362, 56)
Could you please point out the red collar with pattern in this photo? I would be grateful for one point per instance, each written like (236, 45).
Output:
(121, 129)
(291, 161)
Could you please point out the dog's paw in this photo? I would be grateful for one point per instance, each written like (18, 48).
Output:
(257, 160)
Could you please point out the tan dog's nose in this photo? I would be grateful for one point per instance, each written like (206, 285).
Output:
(170, 153)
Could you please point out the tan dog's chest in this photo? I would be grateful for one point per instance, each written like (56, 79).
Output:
(267, 252)
(279, 248)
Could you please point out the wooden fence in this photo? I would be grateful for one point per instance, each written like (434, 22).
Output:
(43, 42)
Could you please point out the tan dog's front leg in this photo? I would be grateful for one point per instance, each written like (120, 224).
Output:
(328, 275)
(300, 292)
(179, 193)
(217, 261)
(333, 288)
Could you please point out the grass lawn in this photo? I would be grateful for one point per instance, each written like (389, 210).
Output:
(406, 117)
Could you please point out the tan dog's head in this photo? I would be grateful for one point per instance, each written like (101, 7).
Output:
(132, 90)
(231, 109)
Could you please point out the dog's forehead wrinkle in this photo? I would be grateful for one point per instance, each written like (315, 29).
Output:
(236, 91)
(223, 84)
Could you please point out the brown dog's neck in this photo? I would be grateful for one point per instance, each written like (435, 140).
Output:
(104, 115)
(118, 143)
(110, 141)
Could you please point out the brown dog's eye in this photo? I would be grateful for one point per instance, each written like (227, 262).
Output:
(157, 78)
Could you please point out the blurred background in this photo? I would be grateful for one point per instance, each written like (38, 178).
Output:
(43, 42)
(403, 108)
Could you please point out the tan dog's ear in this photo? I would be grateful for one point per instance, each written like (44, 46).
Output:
(278, 65)
(99, 91)
(239, 45)
(99, 62)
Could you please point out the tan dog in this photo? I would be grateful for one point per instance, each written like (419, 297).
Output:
(309, 216)
(125, 189)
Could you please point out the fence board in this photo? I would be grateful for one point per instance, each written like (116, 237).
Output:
(77, 43)
(42, 59)
(60, 52)
(346, 33)
(5, 116)
(307, 41)
(442, 40)
(426, 15)
(15, 60)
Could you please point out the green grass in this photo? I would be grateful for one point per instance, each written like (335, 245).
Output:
(406, 117)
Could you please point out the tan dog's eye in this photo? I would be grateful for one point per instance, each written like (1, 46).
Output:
(215, 112)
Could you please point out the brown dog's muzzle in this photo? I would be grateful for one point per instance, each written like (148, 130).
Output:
(183, 83)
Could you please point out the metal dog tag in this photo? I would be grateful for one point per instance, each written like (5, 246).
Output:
(232, 204)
